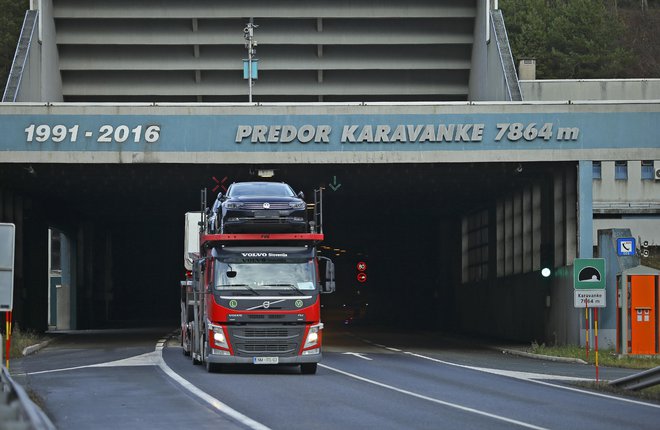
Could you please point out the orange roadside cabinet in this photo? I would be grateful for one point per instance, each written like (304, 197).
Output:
(637, 311)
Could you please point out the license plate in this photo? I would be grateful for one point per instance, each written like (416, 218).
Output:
(265, 360)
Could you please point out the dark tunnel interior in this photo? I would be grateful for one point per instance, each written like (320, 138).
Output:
(403, 220)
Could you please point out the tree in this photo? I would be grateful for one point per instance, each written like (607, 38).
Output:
(570, 39)
(11, 21)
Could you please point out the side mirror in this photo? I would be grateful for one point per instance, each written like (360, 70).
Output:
(301, 195)
(328, 286)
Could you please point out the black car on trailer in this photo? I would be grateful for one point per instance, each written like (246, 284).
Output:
(257, 207)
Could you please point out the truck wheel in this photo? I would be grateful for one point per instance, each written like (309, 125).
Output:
(308, 368)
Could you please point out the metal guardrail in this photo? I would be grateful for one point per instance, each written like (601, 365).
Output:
(17, 410)
(638, 381)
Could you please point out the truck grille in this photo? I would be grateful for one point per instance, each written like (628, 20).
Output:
(260, 205)
(266, 332)
(266, 340)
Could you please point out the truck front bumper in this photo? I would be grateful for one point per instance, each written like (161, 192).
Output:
(232, 359)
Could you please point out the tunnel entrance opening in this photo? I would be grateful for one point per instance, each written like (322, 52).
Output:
(124, 230)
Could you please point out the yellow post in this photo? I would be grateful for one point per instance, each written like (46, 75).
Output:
(8, 331)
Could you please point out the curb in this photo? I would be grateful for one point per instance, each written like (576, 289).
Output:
(543, 357)
(34, 348)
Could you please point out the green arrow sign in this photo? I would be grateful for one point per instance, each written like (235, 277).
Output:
(589, 274)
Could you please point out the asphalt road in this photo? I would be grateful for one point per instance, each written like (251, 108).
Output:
(368, 379)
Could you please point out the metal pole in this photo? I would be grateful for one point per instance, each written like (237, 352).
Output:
(250, 25)
(250, 43)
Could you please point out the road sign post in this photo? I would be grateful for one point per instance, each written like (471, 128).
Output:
(589, 291)
(7, 240)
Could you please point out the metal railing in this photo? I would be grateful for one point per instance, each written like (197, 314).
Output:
(17, 410)
(638, 381)
(20, 57)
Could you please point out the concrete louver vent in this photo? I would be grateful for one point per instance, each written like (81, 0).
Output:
(316, 50)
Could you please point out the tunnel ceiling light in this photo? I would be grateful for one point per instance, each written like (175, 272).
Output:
(546, 272)
(266, 173)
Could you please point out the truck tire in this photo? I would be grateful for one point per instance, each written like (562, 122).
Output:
(308, 368)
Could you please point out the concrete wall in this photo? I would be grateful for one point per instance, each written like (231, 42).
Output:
(591, 89)
(31, 280)
(51, 80)
(627, 203)
(636, 195)
(490, 51)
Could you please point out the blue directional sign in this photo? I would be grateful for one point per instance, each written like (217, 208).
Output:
(625, 246)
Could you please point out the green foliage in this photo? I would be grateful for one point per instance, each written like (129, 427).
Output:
(576, 39)
(20, 339)
(11, 21)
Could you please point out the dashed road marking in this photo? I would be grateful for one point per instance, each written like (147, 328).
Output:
(434, 400)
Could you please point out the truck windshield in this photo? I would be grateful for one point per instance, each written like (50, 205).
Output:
(295, 277)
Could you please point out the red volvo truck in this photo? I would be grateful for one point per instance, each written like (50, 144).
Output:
(253, 298)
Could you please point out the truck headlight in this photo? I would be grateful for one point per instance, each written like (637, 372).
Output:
(219, 339)
(313, 336)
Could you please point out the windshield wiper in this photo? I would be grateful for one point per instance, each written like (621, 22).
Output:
(246, 286)
(293, 287)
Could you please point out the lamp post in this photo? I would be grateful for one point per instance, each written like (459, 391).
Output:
(250, 45)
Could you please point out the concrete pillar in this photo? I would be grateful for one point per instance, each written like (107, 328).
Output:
(585, 209)
(66, 294)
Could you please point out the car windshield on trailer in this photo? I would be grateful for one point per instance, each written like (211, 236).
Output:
(265, 189)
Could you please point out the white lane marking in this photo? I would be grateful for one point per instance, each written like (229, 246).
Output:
(510, 373)
(392, 349)
(215, 403)
(534, 377)
(148, 359)
(155, 358)
(434, 400)
(357, 354)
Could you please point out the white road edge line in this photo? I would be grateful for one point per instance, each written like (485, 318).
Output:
(532, 378)
(431, 399)
(511, 373)
(215, 403)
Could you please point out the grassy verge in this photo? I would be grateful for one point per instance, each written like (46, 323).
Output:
(605, 357)
(20, 340)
